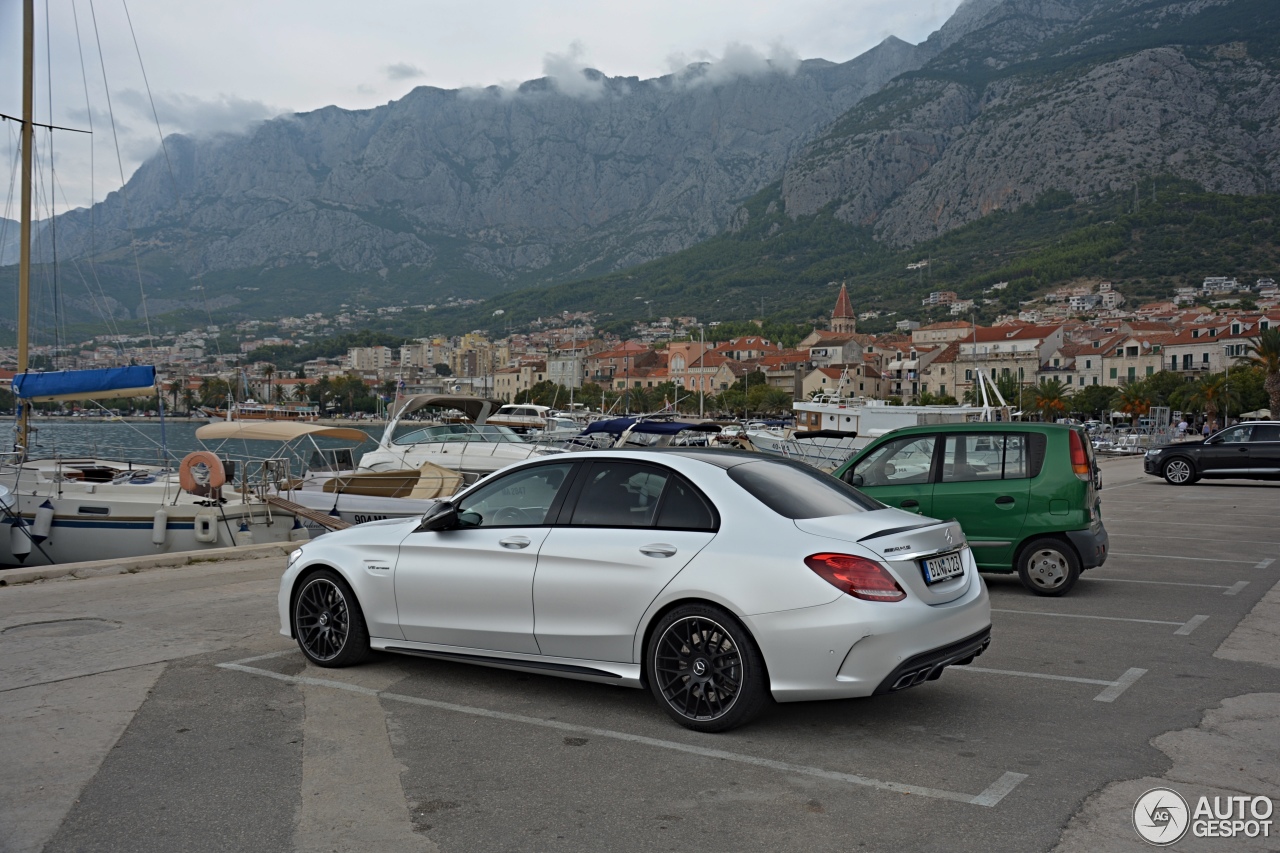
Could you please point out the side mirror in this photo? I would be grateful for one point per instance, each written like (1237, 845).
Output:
(442, 516)
(853, 479)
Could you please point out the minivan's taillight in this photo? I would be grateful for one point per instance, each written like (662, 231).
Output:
(1079, 459)
(856, 576)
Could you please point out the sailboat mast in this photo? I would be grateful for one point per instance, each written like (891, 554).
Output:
(24, 231)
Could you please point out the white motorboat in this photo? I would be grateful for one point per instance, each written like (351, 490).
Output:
(324, 479)
(826, 449)
(474, 449)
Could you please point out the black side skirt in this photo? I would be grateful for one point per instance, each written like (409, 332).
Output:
(511, 662)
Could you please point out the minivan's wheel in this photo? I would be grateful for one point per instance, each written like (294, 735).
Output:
(328, 623)
(1048, 567)
(705, 670)
(1178, 472)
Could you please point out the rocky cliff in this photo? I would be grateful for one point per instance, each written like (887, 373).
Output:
(546, 182)
(1078, 95)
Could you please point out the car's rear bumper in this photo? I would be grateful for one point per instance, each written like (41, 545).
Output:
(848, 648)
(928, 666)
(1091, 545)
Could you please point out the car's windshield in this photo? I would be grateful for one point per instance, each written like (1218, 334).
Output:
(794, 490)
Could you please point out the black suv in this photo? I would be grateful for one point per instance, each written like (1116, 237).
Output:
(1248, 451)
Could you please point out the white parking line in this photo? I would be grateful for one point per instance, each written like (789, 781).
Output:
(993, 794)
(1113, 691)
(1265, 563)
(1192, 623)
(1226, 590)
(1120, 685)
(1115, 535)
(1184, 628)
(1178, 557)
(1215, 525)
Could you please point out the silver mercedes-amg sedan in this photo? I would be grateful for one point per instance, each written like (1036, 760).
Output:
(717, 579)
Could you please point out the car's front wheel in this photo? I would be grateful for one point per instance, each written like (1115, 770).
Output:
(1179, 472)
(1048, 567)
(705, 670)
(328, 623)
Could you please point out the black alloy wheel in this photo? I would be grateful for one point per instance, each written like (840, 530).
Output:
(328, 623)
(705, 670)
(1178, 471)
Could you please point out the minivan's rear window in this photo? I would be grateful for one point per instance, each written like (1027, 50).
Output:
(794, 490)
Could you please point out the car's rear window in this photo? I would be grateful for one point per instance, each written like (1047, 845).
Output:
(794, 490)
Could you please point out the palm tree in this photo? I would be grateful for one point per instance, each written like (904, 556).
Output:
(1210, 395)
(1051, 399)
(1135, 401)
(268, 374)
(1265, 355)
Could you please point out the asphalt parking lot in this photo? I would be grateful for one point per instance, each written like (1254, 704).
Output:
(188, 724)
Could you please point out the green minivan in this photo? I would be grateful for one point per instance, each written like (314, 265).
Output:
(1026, 494)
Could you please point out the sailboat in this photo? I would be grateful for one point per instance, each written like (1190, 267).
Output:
(63, 510)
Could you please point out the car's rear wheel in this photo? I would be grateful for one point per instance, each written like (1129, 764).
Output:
(328, 623)
(1179, 472)
(705, 670)
(1048, 567)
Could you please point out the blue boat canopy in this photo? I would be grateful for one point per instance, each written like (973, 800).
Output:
(102, 384)
(617, 426)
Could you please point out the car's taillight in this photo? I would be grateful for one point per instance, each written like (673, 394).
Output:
(1079, 460)
(856, 576)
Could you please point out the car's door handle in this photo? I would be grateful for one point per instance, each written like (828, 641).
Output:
(658, 550)
(1004, 499)
(514, 542)
(909, 504)
(1243, 449)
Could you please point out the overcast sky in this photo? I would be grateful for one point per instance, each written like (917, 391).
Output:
(221, 66)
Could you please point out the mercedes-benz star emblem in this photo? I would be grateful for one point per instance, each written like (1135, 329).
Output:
(699, 667)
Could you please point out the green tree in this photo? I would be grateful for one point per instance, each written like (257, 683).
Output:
(1210, 395)
(1135, 401)
(590, 395)
(214, 391)
(1093, 400)
(1264, 354)
(1050, 399)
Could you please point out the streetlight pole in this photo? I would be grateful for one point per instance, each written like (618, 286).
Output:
(1226, 375)
(702, 365)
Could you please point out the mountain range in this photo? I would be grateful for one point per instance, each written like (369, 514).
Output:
(476, 193)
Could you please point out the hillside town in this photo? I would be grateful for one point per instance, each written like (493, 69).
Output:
(1082, 335)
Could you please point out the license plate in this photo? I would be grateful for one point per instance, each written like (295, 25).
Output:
(942, 567)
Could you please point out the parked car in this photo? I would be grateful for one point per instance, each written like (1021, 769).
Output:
(1248, 451)
(1026, 494)
(714, 578)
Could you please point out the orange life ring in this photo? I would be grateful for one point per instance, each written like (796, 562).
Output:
(204, 483)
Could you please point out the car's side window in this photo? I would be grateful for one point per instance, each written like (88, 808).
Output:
(1017, 456)
(975, 457)
(1266, 432)
(971, 457)
(903, 462)
(684, 508)
(619, 494)
(520, 499)
(1237, 435)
